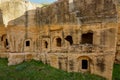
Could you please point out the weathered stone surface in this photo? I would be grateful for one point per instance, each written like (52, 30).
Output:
(98, 63)
(79, 36)
(16, 58)
(87, 11)
(4, 55)
(1, 18)
(13, 9)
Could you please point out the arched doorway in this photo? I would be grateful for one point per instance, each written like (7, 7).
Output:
(69, 39)
(87, 38)
(59, 42)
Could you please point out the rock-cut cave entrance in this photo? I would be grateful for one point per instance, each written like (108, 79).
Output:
(46, 44)
(87, 38)
(59, 42)
(6, 43)
(27, 43)
(69, 39)
(84, 64)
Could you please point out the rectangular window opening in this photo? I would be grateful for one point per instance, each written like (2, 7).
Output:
(27, 43)
(84, 64)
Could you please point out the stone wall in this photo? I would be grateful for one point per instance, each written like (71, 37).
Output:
(17, 58)
(103, 35)
(62, 28)
(62, 34)
(117, 59)
(73, 62)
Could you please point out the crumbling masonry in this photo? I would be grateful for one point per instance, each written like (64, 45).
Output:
(72, 35)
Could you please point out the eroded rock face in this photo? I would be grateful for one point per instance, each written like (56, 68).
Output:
(13, 9)
(86, 11)
(1, 18)
(2, 1)
(63, 36)
(17, 58)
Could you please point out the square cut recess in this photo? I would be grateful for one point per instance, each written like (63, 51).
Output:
(27, 43)
(84, 64)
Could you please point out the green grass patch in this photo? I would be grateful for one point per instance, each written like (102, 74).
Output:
(116, 72)
(35, 70)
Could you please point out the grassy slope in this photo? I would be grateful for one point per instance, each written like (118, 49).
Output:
(116, 72)
(35, 70)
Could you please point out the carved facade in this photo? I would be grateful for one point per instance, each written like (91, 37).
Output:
(72, 35)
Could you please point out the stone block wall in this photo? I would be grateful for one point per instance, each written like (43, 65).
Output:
(102, 35)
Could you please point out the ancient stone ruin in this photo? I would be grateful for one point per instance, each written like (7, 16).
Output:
(72, 35)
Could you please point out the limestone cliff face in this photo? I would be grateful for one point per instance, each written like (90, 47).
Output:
(2, 1)
(1, 18)
(78, 11)
(13, 9)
